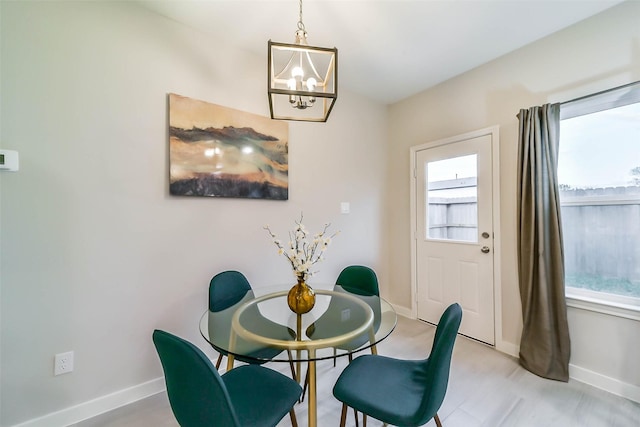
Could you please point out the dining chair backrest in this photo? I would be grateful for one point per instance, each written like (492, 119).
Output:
(197, 394)
(438, 364)
(226, 289)
(358, 279)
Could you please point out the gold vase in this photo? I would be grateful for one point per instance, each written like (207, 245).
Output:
(301, 298)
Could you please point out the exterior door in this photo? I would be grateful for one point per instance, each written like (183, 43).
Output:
(454, 233)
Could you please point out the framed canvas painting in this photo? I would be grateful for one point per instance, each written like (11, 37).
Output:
(217, 151)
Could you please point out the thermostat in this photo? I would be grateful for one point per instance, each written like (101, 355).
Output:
(9, 160)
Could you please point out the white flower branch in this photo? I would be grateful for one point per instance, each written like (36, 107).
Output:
(303, 252)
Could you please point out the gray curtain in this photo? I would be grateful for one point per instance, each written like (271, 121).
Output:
(545, 347)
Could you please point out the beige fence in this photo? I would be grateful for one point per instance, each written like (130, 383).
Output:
(601, 231)
(453, 218)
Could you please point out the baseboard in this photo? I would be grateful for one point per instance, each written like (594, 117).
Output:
(502, 346)
(612, 385)
(92, 408)
(403, 311)
(508, 348)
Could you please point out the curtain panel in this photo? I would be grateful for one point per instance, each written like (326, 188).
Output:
(545, 346)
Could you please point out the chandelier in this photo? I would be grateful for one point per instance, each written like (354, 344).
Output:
(303, 79)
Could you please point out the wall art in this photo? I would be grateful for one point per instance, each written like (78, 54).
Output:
(217, 151)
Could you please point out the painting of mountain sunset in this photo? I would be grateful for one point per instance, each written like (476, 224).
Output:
(217, 151)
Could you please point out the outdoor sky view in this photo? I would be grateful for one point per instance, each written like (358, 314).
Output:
(600, 149)
(450, 169)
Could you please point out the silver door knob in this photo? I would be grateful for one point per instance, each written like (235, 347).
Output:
(485, 249)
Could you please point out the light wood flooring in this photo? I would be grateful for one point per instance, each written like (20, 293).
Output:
(486, 388)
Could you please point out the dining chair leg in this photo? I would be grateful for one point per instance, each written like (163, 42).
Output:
(437, 419)
(364, 420)
(292, 414)
(355, 416)
(304, 387)
(343, 415)
(335, 356)
(219, 361)
(293, 370)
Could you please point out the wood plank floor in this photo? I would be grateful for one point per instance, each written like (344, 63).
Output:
(486, 388)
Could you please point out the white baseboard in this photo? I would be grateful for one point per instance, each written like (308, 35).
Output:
(608, 384)
(502, 346)
(612, 385)
(404, 311)
(92, 408)
(508, 348)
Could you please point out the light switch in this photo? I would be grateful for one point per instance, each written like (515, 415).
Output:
(345, 208)
(9, 160)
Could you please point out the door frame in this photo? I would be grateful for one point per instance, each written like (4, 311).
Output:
(494, 132)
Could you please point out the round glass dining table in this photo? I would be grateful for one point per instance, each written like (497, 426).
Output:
(340, 324)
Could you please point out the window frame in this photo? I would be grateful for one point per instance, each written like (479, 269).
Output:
(612, 304)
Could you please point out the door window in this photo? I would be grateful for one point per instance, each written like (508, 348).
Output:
(452, 199)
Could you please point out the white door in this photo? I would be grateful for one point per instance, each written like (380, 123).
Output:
(454, 233)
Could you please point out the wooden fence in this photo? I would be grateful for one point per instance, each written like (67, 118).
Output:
(600, 226)
(453, 218)
(601, 232)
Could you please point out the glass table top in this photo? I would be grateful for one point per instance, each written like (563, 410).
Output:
(260, 327)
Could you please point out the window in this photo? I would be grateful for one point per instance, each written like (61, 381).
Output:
(452, 195)
(599, 182)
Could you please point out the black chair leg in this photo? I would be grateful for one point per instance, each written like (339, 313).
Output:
(304, 387)
(219, 361)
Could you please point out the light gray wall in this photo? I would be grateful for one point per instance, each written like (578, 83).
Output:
(593, 55)
(95, 253)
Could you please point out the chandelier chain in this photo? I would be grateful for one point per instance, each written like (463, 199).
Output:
(300, 23)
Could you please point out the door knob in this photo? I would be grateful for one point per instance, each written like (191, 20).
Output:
(485, 249)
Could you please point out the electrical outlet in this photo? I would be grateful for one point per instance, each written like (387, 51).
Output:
(63, 363)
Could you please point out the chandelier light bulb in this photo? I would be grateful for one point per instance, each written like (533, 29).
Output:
(311, 84)
(297, 72)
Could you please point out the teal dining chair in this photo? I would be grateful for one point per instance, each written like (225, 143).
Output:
(361, 281)
(249, 395)
(401, 392)
(229, 288)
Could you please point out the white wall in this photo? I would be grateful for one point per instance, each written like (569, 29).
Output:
(596, 54)
(95, 253)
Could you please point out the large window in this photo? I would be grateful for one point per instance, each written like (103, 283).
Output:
(599, 180)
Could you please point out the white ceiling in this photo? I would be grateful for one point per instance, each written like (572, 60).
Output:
(388, 50)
